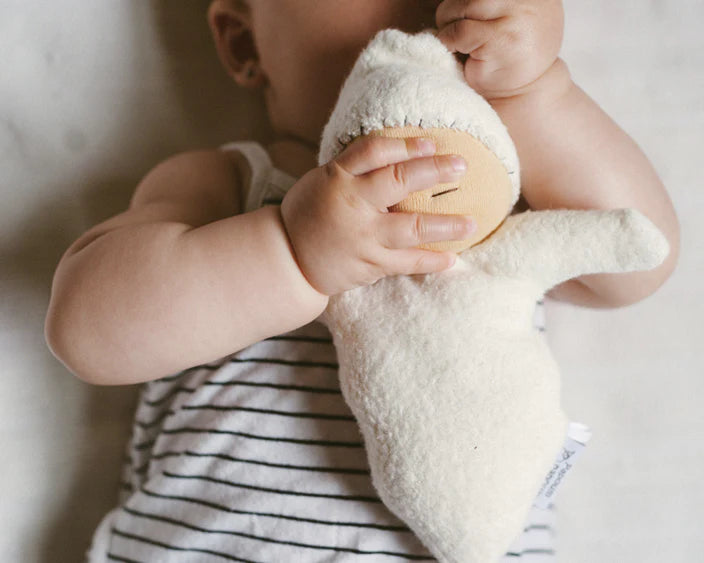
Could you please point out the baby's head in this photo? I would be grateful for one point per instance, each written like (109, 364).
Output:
(300, 51)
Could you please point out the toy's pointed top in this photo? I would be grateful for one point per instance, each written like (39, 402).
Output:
(401, 79)
(394, 47)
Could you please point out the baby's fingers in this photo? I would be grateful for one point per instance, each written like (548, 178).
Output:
(415, 261)
(365, 154)
(406, 230)
(467, 36)
(386, 187)
(483, 10)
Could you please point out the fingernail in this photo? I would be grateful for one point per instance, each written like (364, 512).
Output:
(426, 147)
(470, 225)
(458, 163)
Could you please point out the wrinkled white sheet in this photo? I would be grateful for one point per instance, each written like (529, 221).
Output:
(92, 94)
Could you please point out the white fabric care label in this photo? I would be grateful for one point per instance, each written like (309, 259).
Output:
(577, 437)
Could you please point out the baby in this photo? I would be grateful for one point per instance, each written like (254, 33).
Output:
(238, 249)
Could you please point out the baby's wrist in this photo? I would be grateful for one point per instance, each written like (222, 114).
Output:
(309, 296)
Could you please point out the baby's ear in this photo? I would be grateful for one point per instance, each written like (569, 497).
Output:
(231, 26)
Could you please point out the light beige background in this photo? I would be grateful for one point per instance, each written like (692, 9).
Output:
(92, 94)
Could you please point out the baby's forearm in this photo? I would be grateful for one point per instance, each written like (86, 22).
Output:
(152, 299)
(574, 156)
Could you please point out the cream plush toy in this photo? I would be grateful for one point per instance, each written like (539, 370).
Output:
(456, 394)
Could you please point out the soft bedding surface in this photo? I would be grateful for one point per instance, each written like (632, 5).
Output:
(92, 94)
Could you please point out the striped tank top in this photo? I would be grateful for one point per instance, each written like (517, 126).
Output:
(256, 457)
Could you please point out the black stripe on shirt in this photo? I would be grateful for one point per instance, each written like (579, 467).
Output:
(531, 551)
(155, 422)
(295, 414)
(176, 548)
(246, 435)
(543, 527)
(169, 378)
(114, 557)
(183, 524)
(225, 457)
(302, 388)
(221, 362)
(209, 367)
(359, 498)
(223, 508)
(143, 445)
(280, 361)
(295, 338)
(236, 360)
(168, 395)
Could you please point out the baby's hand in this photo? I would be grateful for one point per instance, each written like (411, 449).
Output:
(510, 43)
(337, 220)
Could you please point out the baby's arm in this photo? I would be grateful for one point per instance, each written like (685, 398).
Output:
(575, 157)
(181, 279)
(572, 154)
(176, 280)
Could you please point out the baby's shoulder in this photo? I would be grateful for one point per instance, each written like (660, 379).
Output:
(210, 180)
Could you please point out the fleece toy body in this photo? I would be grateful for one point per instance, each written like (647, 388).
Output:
(456, 394)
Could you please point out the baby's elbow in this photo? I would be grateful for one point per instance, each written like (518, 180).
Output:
(657, 277)
(646, 283)
(62, 343)
(673, 237)
(58, 341)
(667, 268)
(670, 227)
(63, 335)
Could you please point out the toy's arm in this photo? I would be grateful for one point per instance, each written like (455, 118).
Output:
(552, 246)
